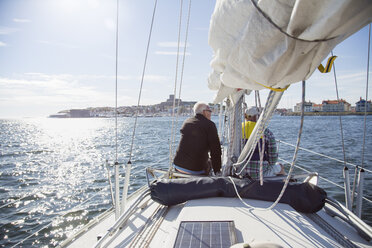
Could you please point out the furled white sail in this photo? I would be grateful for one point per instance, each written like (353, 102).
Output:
(276, 43)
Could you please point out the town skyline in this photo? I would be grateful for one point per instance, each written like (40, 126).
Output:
(165, 108)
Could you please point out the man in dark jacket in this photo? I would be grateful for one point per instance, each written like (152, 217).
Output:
(198, 137)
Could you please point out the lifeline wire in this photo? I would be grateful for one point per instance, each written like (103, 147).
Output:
(142, 78)
(15, 201)
(366, 103)
(59, 215)
(323, 178)
(322, 155)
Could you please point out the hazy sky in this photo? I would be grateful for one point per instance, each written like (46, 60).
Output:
(60, 54)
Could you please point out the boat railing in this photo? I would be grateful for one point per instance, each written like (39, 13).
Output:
(346, 188)
(322, 155)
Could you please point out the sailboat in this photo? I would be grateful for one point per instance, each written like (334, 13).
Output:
(257, 45)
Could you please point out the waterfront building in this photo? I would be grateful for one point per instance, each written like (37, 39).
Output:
(307, 108)
(362, 104)
(317, 107)
(336, 106)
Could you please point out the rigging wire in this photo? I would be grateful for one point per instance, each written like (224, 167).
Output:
(116, 81)
(366, 101)
(183, 60)
(342, 134)
(175, 89)
(142, 79)
(338, 102)
(116, 164)
(175, 123)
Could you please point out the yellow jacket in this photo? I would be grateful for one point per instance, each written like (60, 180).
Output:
(247, 128)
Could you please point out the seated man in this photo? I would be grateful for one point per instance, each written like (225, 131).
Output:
(198, 138)
(265, 148)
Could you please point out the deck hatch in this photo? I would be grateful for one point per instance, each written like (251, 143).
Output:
(205, 234)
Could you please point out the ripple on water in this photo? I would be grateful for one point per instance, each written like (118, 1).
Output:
(57, 166)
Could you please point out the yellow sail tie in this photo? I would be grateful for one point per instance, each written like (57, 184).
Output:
(274, 89)
(328, 65)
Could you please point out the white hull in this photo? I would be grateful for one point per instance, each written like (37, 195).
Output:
(154, 225)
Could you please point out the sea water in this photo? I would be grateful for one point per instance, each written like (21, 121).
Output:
(54, 172)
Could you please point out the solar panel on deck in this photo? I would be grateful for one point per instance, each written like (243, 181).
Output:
(205, 234)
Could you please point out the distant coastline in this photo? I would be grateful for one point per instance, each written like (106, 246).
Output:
(185, 108)
(325, 113)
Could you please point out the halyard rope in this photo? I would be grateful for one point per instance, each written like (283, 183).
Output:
(297, 148)
(260, 131)
(293, 160)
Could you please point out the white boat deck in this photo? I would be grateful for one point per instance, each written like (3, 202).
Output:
(282, 226)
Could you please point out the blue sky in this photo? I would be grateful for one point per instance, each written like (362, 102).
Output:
(57, 55)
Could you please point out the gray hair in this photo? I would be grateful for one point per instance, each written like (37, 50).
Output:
(199, 107)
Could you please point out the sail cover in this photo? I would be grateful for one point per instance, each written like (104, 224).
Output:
(277, 43)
